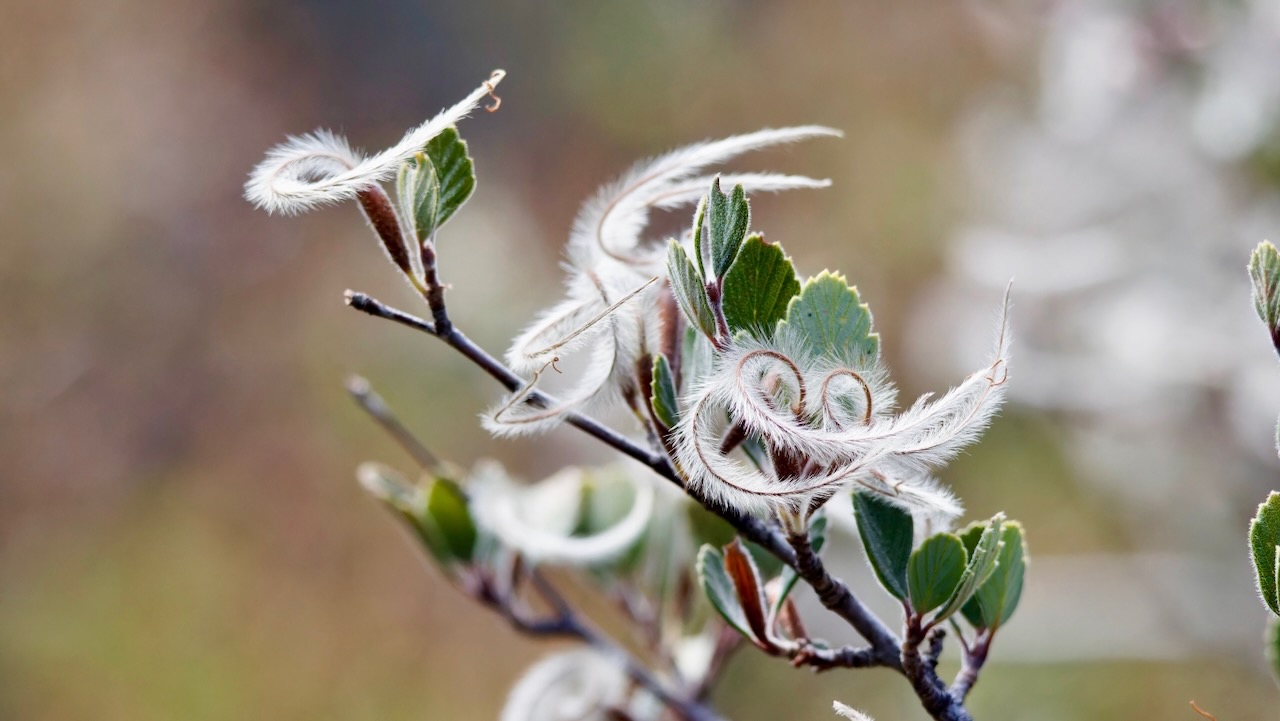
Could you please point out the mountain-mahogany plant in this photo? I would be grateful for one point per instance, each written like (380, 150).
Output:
(1264, 531)
(757, 398)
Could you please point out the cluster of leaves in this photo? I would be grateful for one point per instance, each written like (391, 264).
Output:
(977, 573)
(761, 394)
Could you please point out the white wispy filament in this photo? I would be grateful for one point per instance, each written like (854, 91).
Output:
(834, 425)
(614, 276)
(538, 520)
(321, 168)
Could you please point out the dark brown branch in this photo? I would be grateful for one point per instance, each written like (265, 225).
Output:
(822, 659)
(921, 671)
(836, 596)
(794, 551)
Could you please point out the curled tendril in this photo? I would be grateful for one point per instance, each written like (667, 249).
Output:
(814, 451)
(829, 413)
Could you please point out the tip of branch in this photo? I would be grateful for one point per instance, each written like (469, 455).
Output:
(358, 386)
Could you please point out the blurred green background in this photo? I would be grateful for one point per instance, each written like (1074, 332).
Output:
(180, 533)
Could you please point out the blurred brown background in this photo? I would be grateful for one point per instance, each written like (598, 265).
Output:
(180, 533)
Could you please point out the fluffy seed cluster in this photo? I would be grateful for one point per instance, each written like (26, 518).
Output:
(321, 168)
(616, 276)
(827, 424)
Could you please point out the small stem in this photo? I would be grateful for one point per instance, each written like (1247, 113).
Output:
(373, 404)
(715, 298)
(974, 658)
(435, 289)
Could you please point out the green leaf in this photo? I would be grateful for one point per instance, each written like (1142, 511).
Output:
(934, 571)
(996, 600)
(787, 581)
(834, 321)
(447, 508)
(982, 563)
(728, 217)
(707, 527)
(662, 397)
(758, 287)
(699, 222)
(689, 289)
(1264, 537)
(435, 183)
(1264, 272)
(437, 511)
(720, 590)
(887, 534)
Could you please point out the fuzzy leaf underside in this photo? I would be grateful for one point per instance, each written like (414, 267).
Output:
(689, 289)
(982, 563)
(741, 568)
(1264, 272)
(758, 287)
(720, 590)
(727, 219)
(994, 602)
(663, 396)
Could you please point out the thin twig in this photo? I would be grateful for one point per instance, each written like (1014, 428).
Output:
(974, 658)
(688, 710)
(793, 551)
(836, 596)
(377, 409)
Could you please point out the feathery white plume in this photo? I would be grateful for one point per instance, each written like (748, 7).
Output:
(851, 714)
(320, 168)
(576, 685)
(830, 426)
(609, 272)
(538, 520)
(611, 222)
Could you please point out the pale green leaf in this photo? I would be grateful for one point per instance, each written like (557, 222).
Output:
(728, 217)
(996, 600)
(982, 563)
(834, 321)
(433, 185)
(690, 290)
(1264, 272)
(934, 571)
(662, 396)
